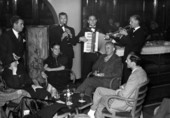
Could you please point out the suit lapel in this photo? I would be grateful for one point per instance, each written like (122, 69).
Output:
(14, 38)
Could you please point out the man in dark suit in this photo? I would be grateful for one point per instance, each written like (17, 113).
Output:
(12, 43)
(88, 58)
(132, 40)
(64, 36)
(107, 67)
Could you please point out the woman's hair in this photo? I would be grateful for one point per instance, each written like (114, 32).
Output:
(55, 45)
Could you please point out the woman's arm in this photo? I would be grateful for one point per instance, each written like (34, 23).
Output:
(46, 68)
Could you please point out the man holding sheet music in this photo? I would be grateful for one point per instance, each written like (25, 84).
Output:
(89, 49)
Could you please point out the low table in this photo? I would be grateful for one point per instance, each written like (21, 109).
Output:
(75, 99)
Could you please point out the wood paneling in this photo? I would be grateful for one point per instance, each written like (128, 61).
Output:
(149, 10)
(34, 12)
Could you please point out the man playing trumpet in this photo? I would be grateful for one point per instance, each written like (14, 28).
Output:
(133, 41)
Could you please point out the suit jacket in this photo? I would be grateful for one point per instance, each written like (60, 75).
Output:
(111, 69)
(128, 90)
(133, 42)
(66, 45)
(10, 44)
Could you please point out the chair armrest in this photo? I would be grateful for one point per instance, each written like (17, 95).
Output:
(90, 73)
(115, 83)
(122, 98)
(127, 100)
(72, 75)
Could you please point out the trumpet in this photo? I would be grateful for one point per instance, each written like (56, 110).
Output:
(127, 28)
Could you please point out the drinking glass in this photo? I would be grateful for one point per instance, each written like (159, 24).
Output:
(82, 96)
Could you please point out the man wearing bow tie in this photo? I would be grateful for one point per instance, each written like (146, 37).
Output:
(132, 40)
(88, 59)
(12, 43)
(63, 35)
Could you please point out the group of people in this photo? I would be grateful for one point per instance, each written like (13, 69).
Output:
(15, 75)
(104, 67)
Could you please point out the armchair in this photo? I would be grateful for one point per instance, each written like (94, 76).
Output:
(72, 75)
(135, 103)
(114, 83)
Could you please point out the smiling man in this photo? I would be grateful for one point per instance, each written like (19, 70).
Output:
(12, 42)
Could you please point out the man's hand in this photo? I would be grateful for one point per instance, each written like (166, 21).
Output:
(68, 32)
(15, 56)
(123, 32)
(64, 35)
(98, 74)
(83, 39)
(95, 73)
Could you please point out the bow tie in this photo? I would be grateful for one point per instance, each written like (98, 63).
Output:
(134, 30)
(92, 27)
(62, 25)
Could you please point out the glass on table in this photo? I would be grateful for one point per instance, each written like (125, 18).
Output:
(81, 100)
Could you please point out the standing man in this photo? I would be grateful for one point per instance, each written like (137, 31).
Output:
(64, 36)
(88, 59)
(12, 42)
(132, 40)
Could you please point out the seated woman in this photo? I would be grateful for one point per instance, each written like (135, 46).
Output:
(55, 67)
(16, 78)
(15, 82)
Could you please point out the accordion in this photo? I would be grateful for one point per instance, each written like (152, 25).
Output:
(95, 43)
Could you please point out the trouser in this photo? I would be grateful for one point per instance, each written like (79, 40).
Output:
(88, 61)
(99, 93)
(90, 84)
(100, 100)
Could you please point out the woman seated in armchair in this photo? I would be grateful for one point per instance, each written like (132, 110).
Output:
(16, 79)
(55, 68)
